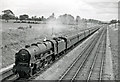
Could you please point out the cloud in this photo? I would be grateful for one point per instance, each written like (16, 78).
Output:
(105, 7)
(104, 4)
(100, 0)
(83, 8)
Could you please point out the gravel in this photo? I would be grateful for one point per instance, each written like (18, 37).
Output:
(113, 34)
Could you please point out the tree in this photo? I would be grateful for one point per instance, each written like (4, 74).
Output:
(66, 19)
(34, 18)
(51, 17)
(16, 18)
(23, 17)
(78, 20)
(6, 17)
(39, 19)
(113, 22)
(8, 14)
(43, 18)
(118, 21)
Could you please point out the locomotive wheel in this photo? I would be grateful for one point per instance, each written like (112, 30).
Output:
(34, 69)
(31, 72)
(45, 63)
(53, 58)
(58, 56)
(49, 60)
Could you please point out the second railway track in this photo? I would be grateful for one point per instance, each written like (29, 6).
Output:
(97, 67)
(82, 67)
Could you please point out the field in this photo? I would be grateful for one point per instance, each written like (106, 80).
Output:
(15, 36)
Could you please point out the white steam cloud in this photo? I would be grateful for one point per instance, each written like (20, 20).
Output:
(55, 27)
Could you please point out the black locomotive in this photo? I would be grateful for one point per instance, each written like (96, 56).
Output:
(38, 55)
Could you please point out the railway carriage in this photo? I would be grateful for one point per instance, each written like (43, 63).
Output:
(87, 32)
(39, 55)
(81, 36)
(74, 39)
(91, 31)
(71, 40)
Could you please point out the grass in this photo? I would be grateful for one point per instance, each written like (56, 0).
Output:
(13, 39)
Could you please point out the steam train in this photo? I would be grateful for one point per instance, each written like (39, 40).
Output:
(38, 55)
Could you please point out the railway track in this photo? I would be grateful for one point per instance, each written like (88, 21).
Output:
(6, 72)
(97, 67)
(74, 71)
(8, 75)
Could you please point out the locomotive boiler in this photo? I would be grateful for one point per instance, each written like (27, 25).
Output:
(38, 55)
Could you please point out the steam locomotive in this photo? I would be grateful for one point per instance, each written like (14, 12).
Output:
(38, 55)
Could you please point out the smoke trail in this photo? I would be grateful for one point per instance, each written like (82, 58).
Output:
(55, 27)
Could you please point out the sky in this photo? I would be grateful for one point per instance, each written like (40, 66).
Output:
(104, 10)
